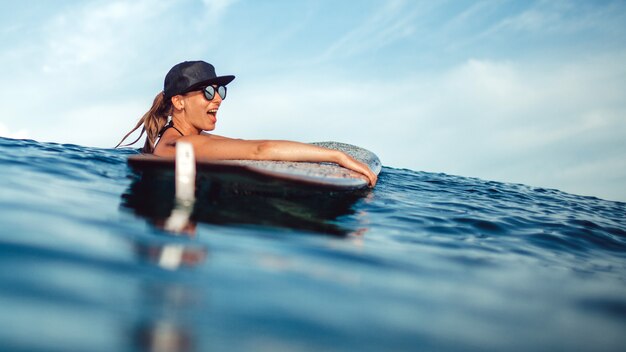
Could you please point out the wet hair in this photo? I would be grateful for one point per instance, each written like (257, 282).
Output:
(153, 121)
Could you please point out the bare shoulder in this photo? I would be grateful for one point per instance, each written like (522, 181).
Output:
(217, 137)
(167, 144)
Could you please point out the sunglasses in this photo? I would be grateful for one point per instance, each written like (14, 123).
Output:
(209, 92)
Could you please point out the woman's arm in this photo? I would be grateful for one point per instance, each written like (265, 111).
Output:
(214, 136)
(229, 149)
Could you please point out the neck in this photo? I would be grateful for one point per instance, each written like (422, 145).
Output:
(182, 124)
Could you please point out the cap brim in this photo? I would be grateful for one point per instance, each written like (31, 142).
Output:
(220, 80)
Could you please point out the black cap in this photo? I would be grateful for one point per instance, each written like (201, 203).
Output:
(190, 75)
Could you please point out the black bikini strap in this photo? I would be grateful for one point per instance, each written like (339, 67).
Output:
(170, 124)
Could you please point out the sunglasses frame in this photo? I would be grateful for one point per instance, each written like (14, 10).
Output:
(210, 95)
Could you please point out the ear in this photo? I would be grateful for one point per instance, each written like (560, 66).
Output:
(178, 102)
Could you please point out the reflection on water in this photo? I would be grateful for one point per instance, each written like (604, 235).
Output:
(172, 256)
(222, 201)
(152, 195)
(163, 336)
(164, 324)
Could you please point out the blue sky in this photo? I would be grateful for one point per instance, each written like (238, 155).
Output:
(529, 92)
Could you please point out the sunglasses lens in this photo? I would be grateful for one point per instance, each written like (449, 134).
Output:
(221, 90)
(209, 92)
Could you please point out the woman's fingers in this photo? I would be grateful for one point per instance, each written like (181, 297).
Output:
(365, 170)
(362, 168)
(371, 180)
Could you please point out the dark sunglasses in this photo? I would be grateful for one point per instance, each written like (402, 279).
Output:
(209, 92)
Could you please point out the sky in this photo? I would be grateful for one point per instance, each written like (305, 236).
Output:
(530, 92)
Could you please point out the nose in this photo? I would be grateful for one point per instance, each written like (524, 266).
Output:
(217, 99)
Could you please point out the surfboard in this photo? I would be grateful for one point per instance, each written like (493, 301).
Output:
(275, 173)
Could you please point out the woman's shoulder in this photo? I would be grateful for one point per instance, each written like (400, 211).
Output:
(215, 136)
(166, 146)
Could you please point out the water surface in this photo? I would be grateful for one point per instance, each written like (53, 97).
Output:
(423, 262)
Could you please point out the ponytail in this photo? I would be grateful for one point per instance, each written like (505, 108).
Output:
(153, 121)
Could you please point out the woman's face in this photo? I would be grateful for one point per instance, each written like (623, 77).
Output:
(200, 112)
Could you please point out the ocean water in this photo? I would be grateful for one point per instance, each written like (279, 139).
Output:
(423, 262)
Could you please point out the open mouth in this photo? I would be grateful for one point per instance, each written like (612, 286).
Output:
(212, 111)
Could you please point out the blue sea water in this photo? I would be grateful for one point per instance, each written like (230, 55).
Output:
(423, 262)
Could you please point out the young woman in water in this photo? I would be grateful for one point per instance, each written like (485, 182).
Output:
(192, 96)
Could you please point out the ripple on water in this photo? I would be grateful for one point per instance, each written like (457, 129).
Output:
(422, 258)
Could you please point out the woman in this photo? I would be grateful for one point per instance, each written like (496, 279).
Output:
(192, 96)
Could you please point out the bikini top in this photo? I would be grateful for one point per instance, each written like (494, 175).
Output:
(169, 125)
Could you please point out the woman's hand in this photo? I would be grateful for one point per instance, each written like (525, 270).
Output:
(350, 163)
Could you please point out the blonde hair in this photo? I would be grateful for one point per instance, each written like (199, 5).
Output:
(153, 121)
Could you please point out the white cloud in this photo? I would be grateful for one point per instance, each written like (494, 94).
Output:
(91, 59)
(389, 23)
(100, 38)
(539, 125)
(547, 18)
(215, 8)
(95, 125)
(19, 134)
(534, 125)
